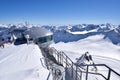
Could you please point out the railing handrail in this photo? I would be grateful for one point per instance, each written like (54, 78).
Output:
(48, 76)
(67, 63)
(65, 58)
(104, 66)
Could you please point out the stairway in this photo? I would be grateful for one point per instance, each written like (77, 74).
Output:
(67, 74)
(74, 72)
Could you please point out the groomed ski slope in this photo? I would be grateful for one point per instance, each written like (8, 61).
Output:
(21, 62)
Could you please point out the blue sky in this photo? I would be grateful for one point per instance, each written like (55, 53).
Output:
(60, 11)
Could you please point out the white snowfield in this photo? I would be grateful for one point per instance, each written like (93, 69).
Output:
(95, 45)
(21, 63)
(83, 32)
(103, 51)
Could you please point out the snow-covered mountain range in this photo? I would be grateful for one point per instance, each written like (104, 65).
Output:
(70, 33)
(77, 32)
(101, 41)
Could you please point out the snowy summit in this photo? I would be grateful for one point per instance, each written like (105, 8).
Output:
(22, 58)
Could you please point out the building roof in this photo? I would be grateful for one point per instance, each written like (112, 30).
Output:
(36, 32)
(19, 30)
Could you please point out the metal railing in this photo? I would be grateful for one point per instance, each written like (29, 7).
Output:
(105, 76)
(76, 72)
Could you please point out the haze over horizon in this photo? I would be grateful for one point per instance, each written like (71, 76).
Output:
(60, 11)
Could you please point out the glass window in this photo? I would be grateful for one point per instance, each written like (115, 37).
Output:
(44, 39)
(49, 38)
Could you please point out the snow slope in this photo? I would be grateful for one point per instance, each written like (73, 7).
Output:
(103, 51)
(96, 45)
(21, 63)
